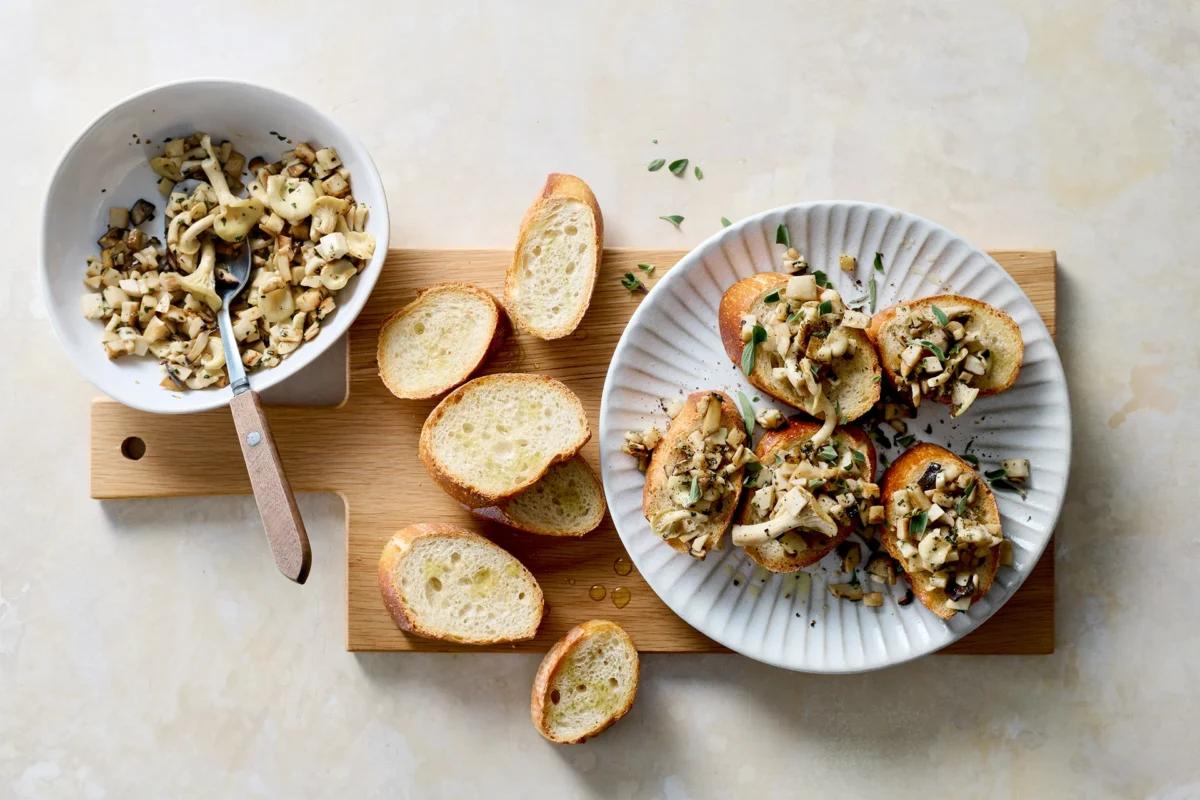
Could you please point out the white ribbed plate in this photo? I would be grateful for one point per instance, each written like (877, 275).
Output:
(671, 347)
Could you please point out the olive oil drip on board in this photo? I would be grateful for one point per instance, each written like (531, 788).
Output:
(620, 595)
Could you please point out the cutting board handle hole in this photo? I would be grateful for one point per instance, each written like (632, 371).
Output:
(133, 448)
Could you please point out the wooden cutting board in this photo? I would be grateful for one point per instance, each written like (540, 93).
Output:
(366, 451)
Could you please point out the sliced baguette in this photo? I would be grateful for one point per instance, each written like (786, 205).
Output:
(567, 501)
(808, 547)
(656, 498)
(858, 385)
(548, 287)
(444, 582)
(495, 436)
(907, 469)
(586, 682)
(435, 342)
(997, 331)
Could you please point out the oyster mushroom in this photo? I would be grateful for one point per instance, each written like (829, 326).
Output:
(236, 215)
(797, 509)
(290, 198)
(202, 283)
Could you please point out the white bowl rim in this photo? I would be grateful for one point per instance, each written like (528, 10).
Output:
(674, 274)
(260, 381)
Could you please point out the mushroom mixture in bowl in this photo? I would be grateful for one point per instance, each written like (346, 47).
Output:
(307, 239)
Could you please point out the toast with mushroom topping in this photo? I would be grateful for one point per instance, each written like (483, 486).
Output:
(943, 527)
(694, 476)
(495, 436)
(444, 582)
(950, 348)
(586, 682)
(799, 343)
(435, 342)
(567, 501)
(548, 287)
(807, 499)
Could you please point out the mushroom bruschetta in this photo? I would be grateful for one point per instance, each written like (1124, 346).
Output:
(950, 348)
(798, 342)
(694, 476)
(943, 526)
(808, 498)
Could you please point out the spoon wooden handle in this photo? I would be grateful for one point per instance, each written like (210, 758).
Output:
(276, 503)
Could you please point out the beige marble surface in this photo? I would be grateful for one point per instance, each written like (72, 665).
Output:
(147, 649)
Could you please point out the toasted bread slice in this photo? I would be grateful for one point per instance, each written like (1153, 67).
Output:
(435, 342)
(997, 331)
(444, 582)
(858, 386)
(548, 287)
(908, 469)
(494, 437)
(655, 496)
(567, 501)
(585, 683)
(800, 548)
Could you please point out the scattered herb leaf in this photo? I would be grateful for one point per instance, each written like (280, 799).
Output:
(960, 507)
(940, 315)
(725, 223)
(678, 166)
(633, 283)
(879, 262)
(747, 412)
(1008, 486)
(758, 336)
(933, 348)
(993, 474)
(872, 291)
(656, 164)
(859, 457)
(917, 525)
(971, 459)
(773, 297)
(822, 279)
(699, 173)
(826, 307)
(674, 219)
(828, 453)
(694, 491)
(905, 440)
(646, 268)
(782, 235)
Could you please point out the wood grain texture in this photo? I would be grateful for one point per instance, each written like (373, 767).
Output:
(366, 451)
(276, 504)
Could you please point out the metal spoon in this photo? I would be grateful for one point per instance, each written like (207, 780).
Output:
(276, 503)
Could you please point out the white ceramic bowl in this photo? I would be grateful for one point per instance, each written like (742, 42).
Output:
(107, 166)
(671, 345)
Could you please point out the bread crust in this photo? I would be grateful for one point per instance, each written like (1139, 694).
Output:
(463, 492)
(739, 299)
(907, 469)
(499, 514)
(495, 320)
(553, 661)
(398, 548)
(663, 460)
(817, 546)
(889, 357)
(558, 186)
